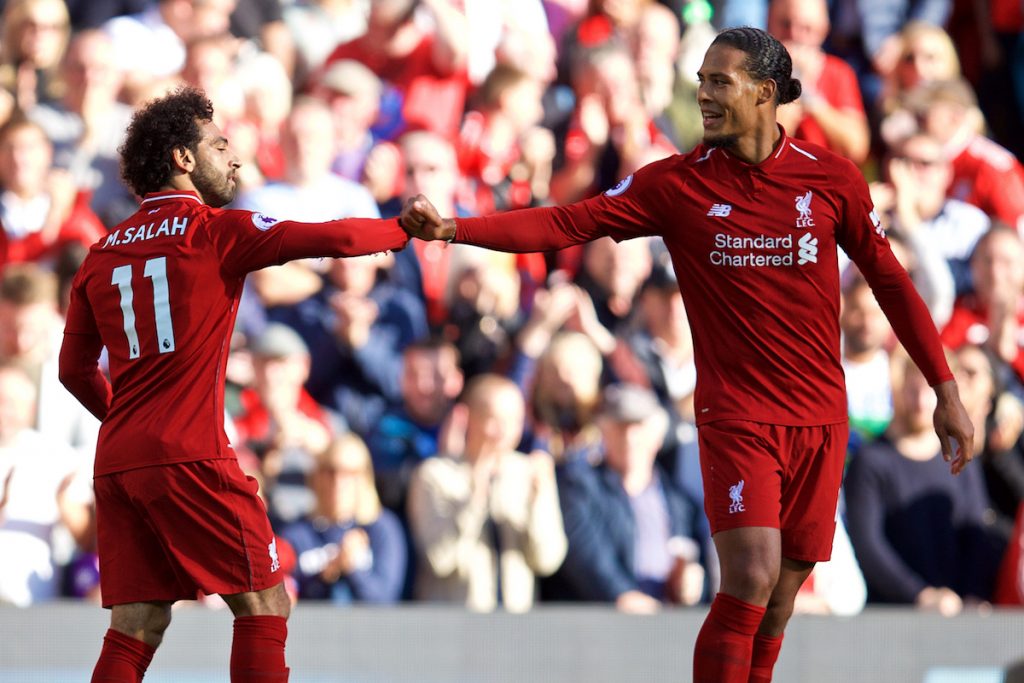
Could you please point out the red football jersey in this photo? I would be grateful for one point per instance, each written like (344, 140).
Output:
(161, 293)
(754, 247)
(990, 177)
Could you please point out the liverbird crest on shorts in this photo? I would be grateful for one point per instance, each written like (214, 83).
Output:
(736, 495)
(275, 564)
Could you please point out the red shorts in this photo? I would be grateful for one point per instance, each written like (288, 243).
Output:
(169, 532)
(787, 478)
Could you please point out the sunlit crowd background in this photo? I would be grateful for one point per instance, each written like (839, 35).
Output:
(495, 431)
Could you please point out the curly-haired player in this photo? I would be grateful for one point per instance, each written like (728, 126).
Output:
(752, 220)
(176, 515)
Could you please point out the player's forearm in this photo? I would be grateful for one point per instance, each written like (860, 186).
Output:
(528, 230)
(79, 372)
(913, 325)
(346, 237)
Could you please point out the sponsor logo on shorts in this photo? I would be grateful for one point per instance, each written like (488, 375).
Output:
(736, 495)
(275, 563)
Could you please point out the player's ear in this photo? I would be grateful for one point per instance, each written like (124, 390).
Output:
(766, 91)
(184, 159)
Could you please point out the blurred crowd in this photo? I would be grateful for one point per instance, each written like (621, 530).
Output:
(491, 430)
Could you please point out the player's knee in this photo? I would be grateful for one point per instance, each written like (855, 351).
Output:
(750, 581)
(145, 621)
(273, 601)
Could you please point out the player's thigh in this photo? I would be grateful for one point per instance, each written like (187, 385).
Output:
(749, 558)
(212, 525)
(810, 494)
(134, 565)
(742, 475)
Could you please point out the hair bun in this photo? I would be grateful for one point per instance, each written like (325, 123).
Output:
(793, 91)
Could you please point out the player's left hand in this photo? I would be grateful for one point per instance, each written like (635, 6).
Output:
(952, 424)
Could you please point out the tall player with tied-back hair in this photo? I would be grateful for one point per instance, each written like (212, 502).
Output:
(752, 220)
(176, 515)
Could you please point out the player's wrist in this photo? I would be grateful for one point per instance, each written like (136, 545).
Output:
(448, 230)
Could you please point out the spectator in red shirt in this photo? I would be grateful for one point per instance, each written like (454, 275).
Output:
(424, 71)
(610, 133)
(279, 416)
(40, 209)
(754, 220)
(993, 315)
(501, 147)
(984, 173)
(830, 112)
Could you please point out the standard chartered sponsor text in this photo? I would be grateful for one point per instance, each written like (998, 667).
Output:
(743, 251)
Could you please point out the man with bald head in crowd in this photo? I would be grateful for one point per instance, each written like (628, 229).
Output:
(830, 111)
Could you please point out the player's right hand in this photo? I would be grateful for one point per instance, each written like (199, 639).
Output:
(420, 219)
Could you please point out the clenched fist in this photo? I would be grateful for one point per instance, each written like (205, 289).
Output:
(420, 219)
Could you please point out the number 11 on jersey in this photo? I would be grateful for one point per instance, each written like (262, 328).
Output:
(156, 270)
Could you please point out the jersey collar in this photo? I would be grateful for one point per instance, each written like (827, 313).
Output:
(160, 198)
(778, 153)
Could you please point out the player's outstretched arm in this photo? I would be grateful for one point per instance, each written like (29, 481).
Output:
(956, 433)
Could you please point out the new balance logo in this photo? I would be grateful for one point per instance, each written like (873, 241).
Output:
(720, 210)
(808, 249)
(736, 495)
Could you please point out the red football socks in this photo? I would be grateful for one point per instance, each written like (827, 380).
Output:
(257, 651)
(123, 659)
(766, 651)
(726, 641)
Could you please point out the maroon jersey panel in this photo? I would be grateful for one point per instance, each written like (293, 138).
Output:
(161, 291)
(754, 247)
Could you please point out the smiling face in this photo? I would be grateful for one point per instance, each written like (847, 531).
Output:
(728, 96)
(215, 175)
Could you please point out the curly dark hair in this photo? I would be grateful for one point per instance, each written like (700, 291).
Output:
(766, 58)
(162, 125)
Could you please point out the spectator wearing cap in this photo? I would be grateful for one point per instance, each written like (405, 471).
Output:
(353, 93)
(484, 517)
(633, 538)
(279, 421)
(984, 173)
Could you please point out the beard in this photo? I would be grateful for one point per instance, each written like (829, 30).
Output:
(726, 141)
(215, 188)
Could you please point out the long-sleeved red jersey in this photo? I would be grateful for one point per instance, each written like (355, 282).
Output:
(754, 248)
(161, 293)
